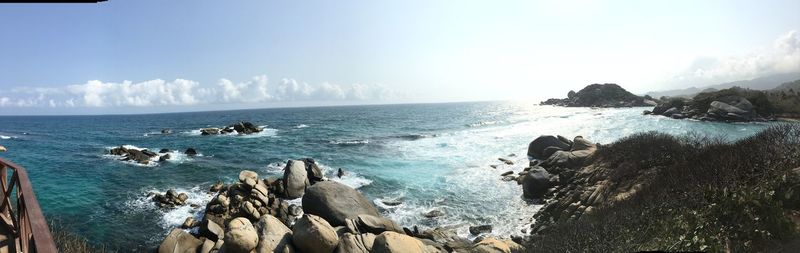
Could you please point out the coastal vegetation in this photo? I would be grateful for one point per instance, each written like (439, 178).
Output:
(734, 104)
(653, 191)
(601, 95)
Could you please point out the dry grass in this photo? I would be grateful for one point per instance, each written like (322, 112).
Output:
(68, 242)
(707, 195)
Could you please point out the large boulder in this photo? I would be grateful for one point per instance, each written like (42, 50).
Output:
(581, 150)
(536, 148)
(536, 183)
(273, 236)
(392, 242)
(178, 241)
(295, 179)
(376, 225)
(313, 170)
(336, 202)
(491, 245)
(355, 243)
(312, 234)
(241, 236)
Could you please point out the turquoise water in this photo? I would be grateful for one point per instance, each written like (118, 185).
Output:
(429, 156)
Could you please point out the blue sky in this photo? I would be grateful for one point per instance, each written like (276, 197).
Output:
(157, 56)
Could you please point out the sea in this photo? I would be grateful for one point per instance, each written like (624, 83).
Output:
(427, 156)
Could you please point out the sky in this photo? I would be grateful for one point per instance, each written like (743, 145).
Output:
(146, 56)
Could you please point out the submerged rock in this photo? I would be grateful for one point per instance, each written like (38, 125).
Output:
(480, 229)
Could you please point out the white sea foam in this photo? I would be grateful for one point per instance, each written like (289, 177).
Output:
(176, 156)
(265, 132)
(483, 123)
(6, 137)
(301, 126)
(172, 217)
(349, 142)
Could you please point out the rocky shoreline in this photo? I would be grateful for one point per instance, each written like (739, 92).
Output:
(255, 215)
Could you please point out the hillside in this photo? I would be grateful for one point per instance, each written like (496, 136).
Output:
(653, 191)
(761, 83)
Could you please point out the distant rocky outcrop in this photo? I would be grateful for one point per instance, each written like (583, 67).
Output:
(731, 105)
(601, 95)
(242, 127)
(140, 156)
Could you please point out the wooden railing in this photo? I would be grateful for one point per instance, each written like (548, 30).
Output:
(24, 226)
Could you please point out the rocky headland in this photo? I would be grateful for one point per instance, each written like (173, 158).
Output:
(254, 215)
(601, 95)
(653, 191)
(734, 105)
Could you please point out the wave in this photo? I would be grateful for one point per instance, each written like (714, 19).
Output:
(6, 137)
(349, 142)
(482, 123)
(351, 178)
(175, 156)
(265, 132)
(301, 126)
(172, 217)
(414, 137)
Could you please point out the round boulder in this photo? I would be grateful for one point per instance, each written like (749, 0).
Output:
(295, 179)
(273, 236)
(536, 147)
(535, 183)
(392, 242)
(336, 202)
(241, 236)
(312, 234)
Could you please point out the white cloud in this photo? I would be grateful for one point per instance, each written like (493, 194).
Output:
(96, 93)
(782, 57)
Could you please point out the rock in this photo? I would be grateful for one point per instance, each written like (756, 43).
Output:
(537, 146)
(166, 131)
(392, 242)
(190, 152)
(491, 245)
(536, 183)
(508, 178)
(209, 131)
(506, 161)
(377, 225)
(433, 213)
(170, 199)
(336, 202)
(241, 237)
(164, 157)
(670, 111)
(178, 241)
(340, 173)
(312, 234)
(211, 230)
(507, 173)
(249, 178)
(599, 95)
(273, 236)
(295, 179)
(391, 202)
(480, 229)
(312, 170)
(250, 209)
(216, 187)
(188, 223)
(549, 151)
(351, 243)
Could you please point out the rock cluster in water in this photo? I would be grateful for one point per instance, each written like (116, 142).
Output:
(145, 156)
(242, 127)
(730, 105)
(253, 215)
(600, 95)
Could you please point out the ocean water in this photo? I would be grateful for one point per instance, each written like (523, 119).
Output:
(429, 156)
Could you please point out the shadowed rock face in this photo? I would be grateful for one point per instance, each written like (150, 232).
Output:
(336, 202)
(600, 95)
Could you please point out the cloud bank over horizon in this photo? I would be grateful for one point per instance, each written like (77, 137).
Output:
(183, 92)
(783, 56)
